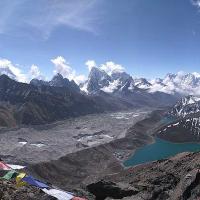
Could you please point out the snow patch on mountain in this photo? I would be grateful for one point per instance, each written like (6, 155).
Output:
(111, 87)
(193, 100)
(111, 78)
(186, 106)
(182, 83)
(142, 83)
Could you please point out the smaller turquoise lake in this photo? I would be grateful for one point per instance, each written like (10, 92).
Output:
(159, 150)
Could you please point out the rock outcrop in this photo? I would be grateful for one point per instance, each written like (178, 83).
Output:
(176, 178)
(9, 191)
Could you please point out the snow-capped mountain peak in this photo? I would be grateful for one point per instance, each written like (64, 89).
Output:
(189, 100)
(142, 83)
(122, 76)
(97, 79)
(180, 84)
(186, 106)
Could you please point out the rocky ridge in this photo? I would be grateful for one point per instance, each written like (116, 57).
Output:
(184, 121)
(179, 84)
(176, 178)
(57, 81)
(9, 191)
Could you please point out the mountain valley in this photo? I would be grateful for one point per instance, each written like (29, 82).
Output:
(78, 138)
(39, 143)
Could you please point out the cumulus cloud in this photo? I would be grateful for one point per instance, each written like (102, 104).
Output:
(110, 67)
(11, 70)
(184, 83)
(36, 73)
(60, 64)
(90, 64)
(196, 3)
(196, 74)
(63, 67)
(80, 79)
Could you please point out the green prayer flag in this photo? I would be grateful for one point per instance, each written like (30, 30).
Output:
(11, 174)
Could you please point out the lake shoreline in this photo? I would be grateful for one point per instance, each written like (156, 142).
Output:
(160, 150)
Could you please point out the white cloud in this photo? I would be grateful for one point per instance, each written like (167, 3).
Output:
(196, 74)
(35, 72)
(11, 70)
(14, 72)
(80, 79)
(186, 84)
(110, 67)
(196, 3)
(44, 16)
(64, 68)
(112, 87)
(90, 64)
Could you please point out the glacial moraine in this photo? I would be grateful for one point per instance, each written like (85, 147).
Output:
(43, 143)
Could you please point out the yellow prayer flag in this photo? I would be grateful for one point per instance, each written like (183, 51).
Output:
(19, 181)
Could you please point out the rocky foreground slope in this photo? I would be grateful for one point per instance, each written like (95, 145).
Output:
(9, 191)
(176, 178)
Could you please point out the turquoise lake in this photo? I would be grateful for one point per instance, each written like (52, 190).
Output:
(159, 150)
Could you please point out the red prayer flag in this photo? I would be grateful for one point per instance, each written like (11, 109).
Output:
(3, 166)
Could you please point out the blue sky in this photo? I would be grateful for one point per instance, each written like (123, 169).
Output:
(148, 38)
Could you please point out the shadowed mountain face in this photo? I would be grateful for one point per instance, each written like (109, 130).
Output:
(29, 104)
(57, 81)
(97, 79)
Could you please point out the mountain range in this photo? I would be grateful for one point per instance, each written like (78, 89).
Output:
(23, 103)
(119, 90)
(176, 84)
(42, 101)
